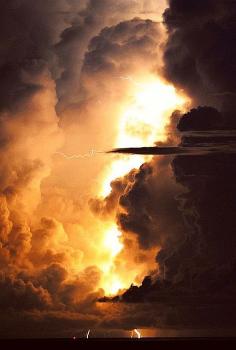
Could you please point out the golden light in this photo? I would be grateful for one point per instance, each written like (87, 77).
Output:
(119, 168)
(111, 282)
(112, 242)
(113, 286)
(135, 331)
(143, 122)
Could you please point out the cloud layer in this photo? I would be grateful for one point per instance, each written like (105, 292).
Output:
(63, 72)
(201, 262)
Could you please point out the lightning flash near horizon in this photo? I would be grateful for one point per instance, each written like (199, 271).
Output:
(138, 334)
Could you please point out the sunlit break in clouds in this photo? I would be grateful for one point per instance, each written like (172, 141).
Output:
(142, 122)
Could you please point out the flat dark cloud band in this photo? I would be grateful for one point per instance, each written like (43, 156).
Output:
(177, 150)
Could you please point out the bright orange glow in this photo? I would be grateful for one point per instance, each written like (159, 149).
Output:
(113, 285)
(135, 332)
(112, 245)
(112, 242)
(143, 122)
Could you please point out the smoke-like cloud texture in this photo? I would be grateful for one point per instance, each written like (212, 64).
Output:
(65, 69)
(61, 69)
(197, 255)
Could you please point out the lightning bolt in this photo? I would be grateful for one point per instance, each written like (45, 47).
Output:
(90, 154)
(87, 334)
(136, 332)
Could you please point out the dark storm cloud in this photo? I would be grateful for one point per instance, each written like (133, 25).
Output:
(27, 34)
(17, 294)
(202, 259)
(94, 32)
(210, 204)
(150, 206)
(200, 51)
(120, 45)
(199, 57)
(201, 118)
(200, 150)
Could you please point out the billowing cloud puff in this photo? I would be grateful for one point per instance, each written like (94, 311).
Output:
(47, 259)
(200, 50)
(63, 70)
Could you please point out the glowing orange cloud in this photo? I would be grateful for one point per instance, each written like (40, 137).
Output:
(143, 122)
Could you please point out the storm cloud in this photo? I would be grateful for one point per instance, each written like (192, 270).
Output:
(200, 53)
(50, 53)
(63, 72)
(199, 57)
